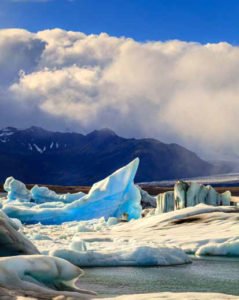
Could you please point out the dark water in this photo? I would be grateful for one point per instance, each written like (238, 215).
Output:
(214, 275)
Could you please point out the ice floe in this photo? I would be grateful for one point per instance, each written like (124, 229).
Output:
(135, 255)
(195, 230)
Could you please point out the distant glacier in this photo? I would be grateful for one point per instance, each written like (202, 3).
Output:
(230, 179)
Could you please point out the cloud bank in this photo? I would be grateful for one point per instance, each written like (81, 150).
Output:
(175, 91)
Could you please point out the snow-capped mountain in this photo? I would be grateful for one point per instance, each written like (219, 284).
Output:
(35, 155)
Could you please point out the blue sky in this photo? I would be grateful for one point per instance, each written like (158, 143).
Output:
(189, 20)
(183, 88)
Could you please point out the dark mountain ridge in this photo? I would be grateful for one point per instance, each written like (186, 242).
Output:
(36, 155)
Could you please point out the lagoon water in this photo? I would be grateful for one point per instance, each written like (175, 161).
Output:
(203, 275)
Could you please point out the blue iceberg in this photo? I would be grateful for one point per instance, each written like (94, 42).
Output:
(110, 197)
(41, 194)
(16, 190)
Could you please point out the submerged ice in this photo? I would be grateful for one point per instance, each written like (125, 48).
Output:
(110, 197)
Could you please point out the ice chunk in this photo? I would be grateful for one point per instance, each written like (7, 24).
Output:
(97, 224)
(16, 190)
(136, 255)
(196, 194)
(43, 194)
(41, 237)
(190, 194)
(41, 273)
(13, 242)
(113, 221)
(180, 193)
(18, 223)
(165, 202)
(226, 198)
(146, 199)
(110, 197)
(84, 228)
(78, 245)
(227, 248)
(212, 196)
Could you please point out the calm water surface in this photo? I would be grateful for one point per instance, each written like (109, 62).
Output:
(203, 275)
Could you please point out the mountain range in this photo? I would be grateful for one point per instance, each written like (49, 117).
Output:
(36, 155)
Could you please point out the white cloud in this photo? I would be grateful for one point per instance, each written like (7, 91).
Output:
(175, 91)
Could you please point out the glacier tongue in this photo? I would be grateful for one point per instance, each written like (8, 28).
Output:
(110, 197)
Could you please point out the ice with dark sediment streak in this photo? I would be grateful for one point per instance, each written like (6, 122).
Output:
(110, 197)
(165, 202)
(43, 274)
(190, 194)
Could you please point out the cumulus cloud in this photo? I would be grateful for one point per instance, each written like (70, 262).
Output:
(174, 91)
(19, 50)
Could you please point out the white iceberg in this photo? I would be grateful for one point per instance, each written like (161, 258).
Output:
(165, 202)
(42, 274)
(146, 199)
(110, 197)
(187, 194)
(228, 248)
(135, 255)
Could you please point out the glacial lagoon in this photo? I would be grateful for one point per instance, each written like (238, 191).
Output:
(214, 275)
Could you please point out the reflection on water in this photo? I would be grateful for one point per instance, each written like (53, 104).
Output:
(203, 275)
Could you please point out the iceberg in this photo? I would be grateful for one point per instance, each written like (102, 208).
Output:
(180, 189)
(135, 255)
(226, 198)
(188, 194)
(16, 190)
(146, 199)
(43, 194)
(43, 274)
(165, 202)
(227, 248)
(13, 242)
(110, 197)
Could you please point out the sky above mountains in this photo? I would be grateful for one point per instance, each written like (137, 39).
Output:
(163, 69)
(188, 20)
